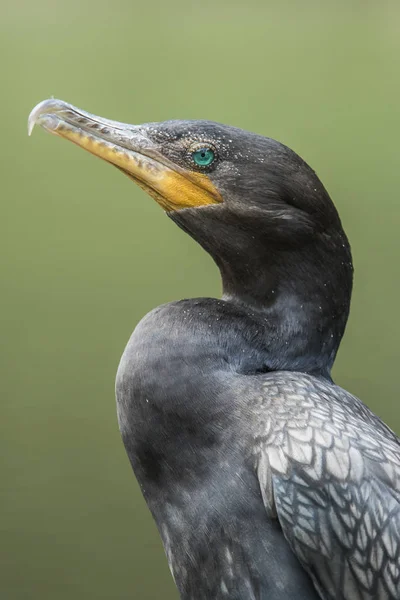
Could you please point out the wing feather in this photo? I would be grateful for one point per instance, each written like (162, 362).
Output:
(330, 470)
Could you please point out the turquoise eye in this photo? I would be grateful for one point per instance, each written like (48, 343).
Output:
(203, 157)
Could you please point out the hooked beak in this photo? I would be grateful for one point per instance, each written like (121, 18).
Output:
(129, 148)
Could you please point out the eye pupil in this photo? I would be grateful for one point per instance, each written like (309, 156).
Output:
(203, 157)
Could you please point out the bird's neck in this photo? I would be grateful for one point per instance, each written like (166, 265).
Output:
(305, 296)
(299, 291)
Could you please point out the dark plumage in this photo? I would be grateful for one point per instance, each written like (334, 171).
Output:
(266, 480)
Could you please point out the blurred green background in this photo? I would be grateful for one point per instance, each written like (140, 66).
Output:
(86, 254)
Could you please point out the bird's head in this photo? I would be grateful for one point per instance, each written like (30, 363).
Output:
(251, 202)
(201, 164)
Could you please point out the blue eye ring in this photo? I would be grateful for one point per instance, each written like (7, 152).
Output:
(203, 155)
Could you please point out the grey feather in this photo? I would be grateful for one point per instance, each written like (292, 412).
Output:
(330, 470)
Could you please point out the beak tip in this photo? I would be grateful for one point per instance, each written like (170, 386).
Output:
(43, 108)
(34, 115)
(31, 125)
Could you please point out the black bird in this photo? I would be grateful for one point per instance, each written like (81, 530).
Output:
(266, 480)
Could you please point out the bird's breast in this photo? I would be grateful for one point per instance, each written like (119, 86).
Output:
(171, 389)
(180, 359)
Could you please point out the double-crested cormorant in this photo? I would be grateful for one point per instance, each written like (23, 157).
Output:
(266, 480)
